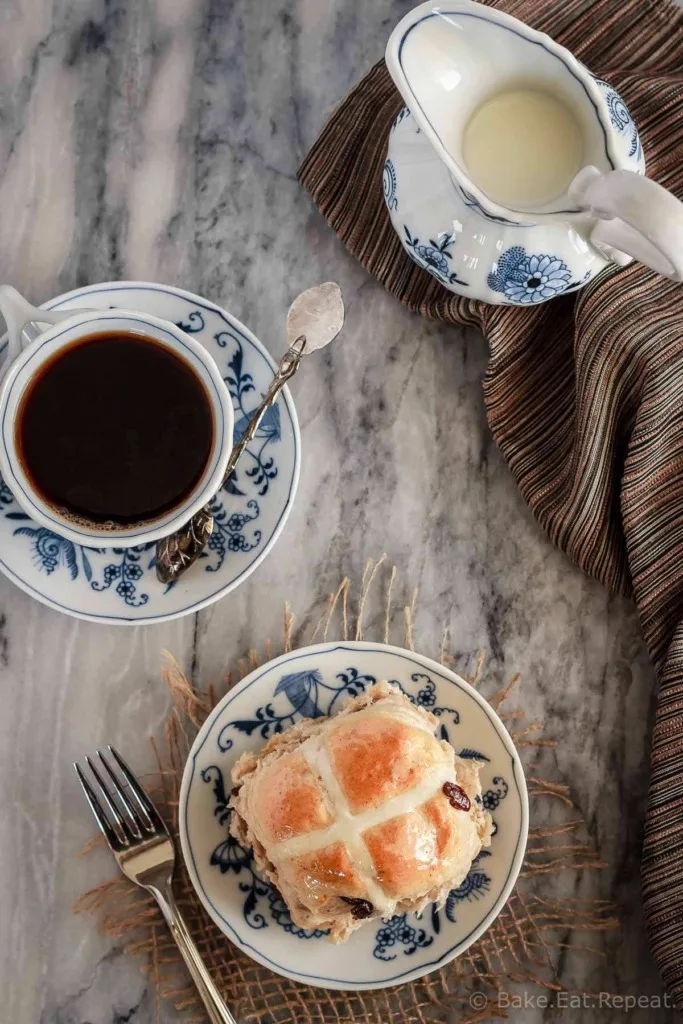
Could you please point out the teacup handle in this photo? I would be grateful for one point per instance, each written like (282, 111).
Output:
(637, 217)
(17, 312)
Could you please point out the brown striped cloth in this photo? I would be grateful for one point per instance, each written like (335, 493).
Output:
(584, 394)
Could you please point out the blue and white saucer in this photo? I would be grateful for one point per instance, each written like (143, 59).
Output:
(119, 585)
(308, 683)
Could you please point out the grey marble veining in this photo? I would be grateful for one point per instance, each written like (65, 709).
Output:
(160, 141)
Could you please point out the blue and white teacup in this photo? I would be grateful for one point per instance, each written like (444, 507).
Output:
(30, 349)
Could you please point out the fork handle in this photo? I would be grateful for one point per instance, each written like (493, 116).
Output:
(211, 997)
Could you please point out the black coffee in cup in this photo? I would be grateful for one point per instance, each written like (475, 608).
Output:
(115, 429)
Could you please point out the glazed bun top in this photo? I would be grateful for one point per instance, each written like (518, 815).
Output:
(368, 807)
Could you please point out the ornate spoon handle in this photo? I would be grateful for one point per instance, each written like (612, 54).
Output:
(314, 319)
(178, 552)
(288, 366)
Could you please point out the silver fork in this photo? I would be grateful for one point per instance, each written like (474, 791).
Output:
(144, 851)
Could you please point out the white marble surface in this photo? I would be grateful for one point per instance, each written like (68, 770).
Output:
(160, 141)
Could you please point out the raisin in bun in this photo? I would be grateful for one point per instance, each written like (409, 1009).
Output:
(365, 814)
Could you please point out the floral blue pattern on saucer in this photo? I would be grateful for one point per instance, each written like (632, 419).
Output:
(119, 585)
(309, 683)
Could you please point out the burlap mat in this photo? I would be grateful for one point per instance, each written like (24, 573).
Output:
(584, 395)
(521, 947)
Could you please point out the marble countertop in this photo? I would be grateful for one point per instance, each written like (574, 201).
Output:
(160, 141)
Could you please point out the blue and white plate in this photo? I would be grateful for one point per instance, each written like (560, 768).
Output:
(119, 585)
(311, 682)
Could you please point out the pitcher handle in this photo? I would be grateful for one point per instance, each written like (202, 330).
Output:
(17, 312)
(637, 217)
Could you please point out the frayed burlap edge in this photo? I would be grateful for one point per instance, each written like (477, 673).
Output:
(521, 947)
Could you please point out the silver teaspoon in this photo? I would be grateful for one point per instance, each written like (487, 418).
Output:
(315, 318)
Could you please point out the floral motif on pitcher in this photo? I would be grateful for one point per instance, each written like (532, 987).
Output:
(620, 118)
(389, 185)
(525, 278)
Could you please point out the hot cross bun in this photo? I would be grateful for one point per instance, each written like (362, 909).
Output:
(362, 815)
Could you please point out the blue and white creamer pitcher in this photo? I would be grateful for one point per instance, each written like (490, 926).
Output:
(513, 174)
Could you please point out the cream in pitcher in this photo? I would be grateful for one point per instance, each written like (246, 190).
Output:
(513, 174)
(522, 147)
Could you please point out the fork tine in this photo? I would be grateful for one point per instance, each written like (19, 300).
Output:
(101, 818)
(118, 823)
(133, 819)
(156, 822)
